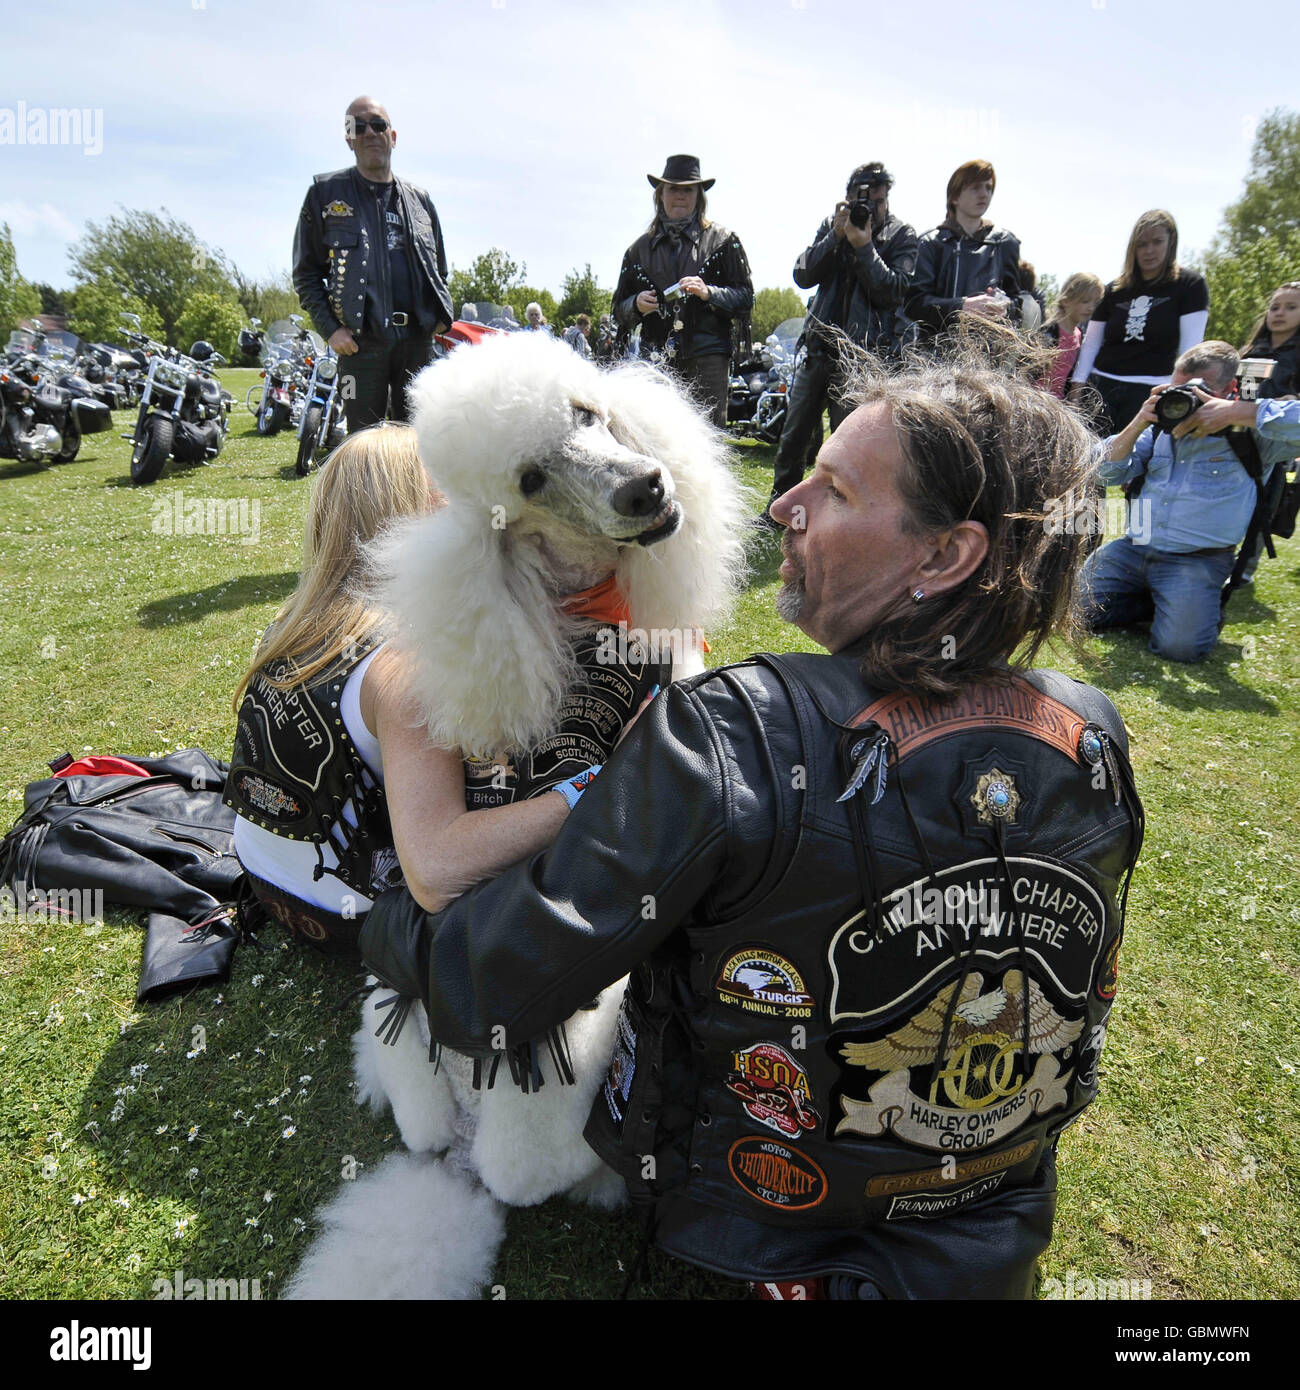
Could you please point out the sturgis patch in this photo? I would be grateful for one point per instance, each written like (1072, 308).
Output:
(759, 981)
(982, 1089)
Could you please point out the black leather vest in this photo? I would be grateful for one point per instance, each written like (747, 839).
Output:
(912, 1007)
(613, 680)
(295, 766)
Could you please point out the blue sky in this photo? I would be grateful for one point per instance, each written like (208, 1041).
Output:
(534, 122)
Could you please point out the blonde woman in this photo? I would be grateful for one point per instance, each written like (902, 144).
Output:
(1074, 306)
(1148, 317)
(338, 791)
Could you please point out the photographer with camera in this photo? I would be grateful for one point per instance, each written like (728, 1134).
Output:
(685, 280)
(1192, 492)
(860, 262)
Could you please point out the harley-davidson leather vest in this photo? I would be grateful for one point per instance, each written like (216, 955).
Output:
(897, 1029)
(615, 675)
(295, 767)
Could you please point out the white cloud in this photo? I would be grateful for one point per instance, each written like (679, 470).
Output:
(26, 221)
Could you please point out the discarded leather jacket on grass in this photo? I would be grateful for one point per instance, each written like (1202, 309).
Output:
(157, 839)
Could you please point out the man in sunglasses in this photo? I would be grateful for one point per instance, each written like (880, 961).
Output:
(370, 268)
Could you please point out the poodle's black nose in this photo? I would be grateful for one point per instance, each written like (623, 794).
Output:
(641, 497)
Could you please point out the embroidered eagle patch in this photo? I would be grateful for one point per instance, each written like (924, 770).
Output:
(338, 208)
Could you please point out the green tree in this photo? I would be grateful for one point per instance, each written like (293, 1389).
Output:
(772, 307)
(1241, 284)
(155, 257)
(1258, 244)
(18, 299)
(95, 313)
(580, 294)
(52, 301)
(214, 317)
(1269, 205)
(267, 300)
(491, 276)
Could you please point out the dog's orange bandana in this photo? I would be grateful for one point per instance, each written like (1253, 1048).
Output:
(603, 603)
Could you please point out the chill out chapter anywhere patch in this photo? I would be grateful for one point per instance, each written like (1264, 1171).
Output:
(759, 981)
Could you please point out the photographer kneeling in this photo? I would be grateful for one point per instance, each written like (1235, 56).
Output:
(1197, 498)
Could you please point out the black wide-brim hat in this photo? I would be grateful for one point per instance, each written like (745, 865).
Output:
(681, 171)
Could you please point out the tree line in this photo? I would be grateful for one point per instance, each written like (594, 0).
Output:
(154, 265)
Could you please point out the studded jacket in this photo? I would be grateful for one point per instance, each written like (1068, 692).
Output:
(340, 258)
(856, 1024)
(652, 263)
(860, 290)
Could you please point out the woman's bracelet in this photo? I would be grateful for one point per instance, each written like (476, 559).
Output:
(575, 786)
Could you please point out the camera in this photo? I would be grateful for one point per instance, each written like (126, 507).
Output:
(671, 299)
(1179, 402)
(860, 211)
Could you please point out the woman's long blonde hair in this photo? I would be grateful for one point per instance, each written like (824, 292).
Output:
(1131, 276)
(372, 479)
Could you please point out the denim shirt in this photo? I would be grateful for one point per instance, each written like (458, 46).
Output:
(1197, 495)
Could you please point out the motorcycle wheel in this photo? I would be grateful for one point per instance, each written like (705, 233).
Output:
(150, 455)
(307, 443)
(270, 419)
(71, 444)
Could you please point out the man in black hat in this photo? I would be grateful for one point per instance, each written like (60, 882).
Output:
(686, 281)
(370, 268)
(861, 262)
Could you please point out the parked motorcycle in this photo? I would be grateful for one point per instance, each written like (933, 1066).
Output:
(288, 354)
(322, 427)
(251, 342)
(774, 400)
(39, 419)
(184, 412)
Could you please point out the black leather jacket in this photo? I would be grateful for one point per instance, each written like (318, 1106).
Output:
(778, 1055)
(859, 289)
(340, 258)
(718, 258)
(951, 265)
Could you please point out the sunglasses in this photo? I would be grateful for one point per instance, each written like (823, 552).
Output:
(359, 124)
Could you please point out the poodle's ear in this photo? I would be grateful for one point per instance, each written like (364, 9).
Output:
(690, 579)
(470, 606)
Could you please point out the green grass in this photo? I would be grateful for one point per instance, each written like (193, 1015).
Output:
(121, 639)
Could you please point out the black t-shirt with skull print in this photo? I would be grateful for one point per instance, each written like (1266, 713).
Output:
(1141, 337)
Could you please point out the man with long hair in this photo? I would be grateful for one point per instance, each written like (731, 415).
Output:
(871, 901)
(686, 282)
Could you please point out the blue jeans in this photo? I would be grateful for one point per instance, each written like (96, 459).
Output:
(1123, 583)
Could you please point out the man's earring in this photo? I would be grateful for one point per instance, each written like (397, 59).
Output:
(918, 595)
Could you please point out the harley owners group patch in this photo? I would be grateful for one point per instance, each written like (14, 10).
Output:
(992, 974)
(775, 1175)
(338, 209)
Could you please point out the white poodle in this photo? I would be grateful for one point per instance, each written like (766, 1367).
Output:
(557, 476)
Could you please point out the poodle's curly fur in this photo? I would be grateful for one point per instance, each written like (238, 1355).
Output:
(476, 592)
(476, 587)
